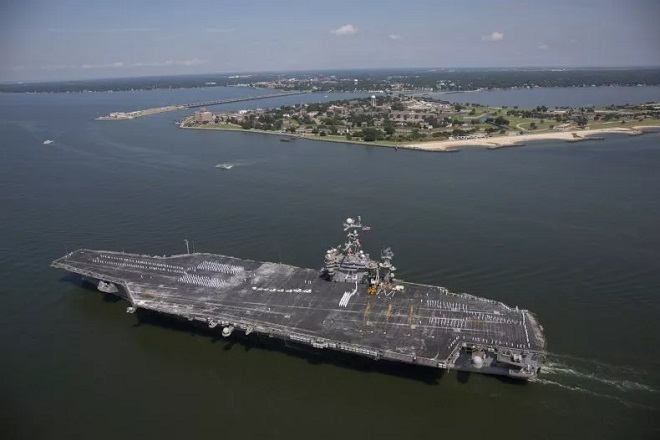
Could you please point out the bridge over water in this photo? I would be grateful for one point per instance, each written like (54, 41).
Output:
(170, 108)
(249, 98)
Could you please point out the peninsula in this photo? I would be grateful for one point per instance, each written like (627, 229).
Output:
(404, 121)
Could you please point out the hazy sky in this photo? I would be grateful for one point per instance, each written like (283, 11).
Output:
(69, 39)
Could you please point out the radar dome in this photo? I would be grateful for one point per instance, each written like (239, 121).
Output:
(349, 221)
(477, 362)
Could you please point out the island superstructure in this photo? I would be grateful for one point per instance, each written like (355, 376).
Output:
(353, 304)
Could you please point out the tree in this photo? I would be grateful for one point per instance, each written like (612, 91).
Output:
(501, 120)
(390, 130)
(372, 134)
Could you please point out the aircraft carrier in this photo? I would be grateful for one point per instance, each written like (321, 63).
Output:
(352, 304)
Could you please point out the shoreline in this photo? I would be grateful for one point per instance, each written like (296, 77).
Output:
(497, 142)
(311, 137)
(449, 146)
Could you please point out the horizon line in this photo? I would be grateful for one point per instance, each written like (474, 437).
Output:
(426, 68)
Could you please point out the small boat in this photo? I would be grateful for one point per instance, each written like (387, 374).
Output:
(48, 141)
(107, 287)
(225, 166)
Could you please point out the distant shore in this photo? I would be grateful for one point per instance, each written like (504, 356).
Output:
(495, 142)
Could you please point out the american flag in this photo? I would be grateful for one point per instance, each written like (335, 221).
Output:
(366, 228)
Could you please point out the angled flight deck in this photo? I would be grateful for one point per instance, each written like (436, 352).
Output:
(354, 304)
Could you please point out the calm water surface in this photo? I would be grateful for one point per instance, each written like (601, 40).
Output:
(568, 231)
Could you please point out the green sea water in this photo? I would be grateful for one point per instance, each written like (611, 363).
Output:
(569, 231)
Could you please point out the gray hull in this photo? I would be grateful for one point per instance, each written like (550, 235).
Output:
(417, 324)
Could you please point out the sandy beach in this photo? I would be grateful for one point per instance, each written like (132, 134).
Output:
(510, 141)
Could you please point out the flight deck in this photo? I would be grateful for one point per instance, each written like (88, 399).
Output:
(348, 306)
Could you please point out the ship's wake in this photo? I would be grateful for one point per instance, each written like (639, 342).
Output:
(236, 163)
(556, 369)
(629, 386)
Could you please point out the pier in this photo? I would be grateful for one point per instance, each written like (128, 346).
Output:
(170, 108)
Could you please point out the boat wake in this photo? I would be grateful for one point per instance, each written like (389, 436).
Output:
(557, 369)
(237, 163)
(596, 394)
(598, 379)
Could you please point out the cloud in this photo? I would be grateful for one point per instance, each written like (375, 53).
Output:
(59, 67)
(101, 30)
(347, 29)
(220, 30)
(122, 65)
(191, 62)
(543, 46)
(118, 64)
(395, 37)
(495, 36)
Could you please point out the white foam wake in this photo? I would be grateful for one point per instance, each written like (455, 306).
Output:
(557, 369)
(594, 393)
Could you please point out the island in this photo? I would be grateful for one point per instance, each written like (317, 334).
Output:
(423, 123)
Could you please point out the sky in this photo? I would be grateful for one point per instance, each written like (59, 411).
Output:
(78, 39)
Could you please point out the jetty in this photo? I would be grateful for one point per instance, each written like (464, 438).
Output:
(115, 116)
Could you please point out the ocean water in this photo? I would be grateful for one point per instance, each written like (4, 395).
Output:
(569, 231)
